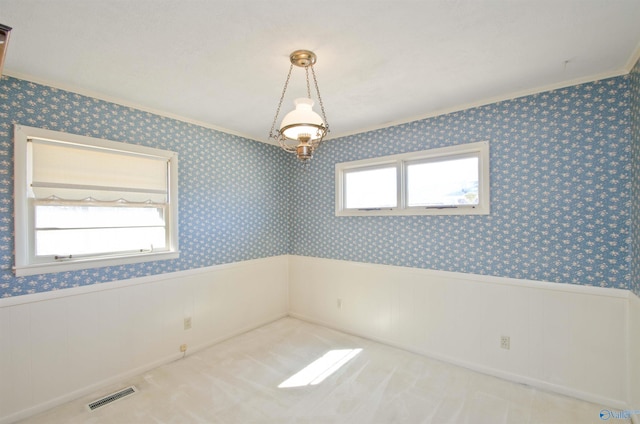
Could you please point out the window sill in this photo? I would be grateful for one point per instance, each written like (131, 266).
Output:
(460, 210)
(78, 264)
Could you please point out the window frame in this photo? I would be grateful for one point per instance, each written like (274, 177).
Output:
(26, 262)
(401, 161)
(372, 167)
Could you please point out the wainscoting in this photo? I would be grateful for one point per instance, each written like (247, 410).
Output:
(569, 339)
(59, 345)
(575, 340)
(634, 356)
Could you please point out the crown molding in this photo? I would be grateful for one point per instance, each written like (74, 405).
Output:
(458, 108)
(635, 57)
(118, 101)
(492, 100)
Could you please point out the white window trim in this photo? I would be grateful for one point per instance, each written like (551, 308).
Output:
(23, 211)
(373, 166)
(400, 161)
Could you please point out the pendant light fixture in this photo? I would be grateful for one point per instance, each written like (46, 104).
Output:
(302, 129)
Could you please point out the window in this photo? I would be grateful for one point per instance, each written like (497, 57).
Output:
(371, 188)
(447, 181)
(83, 202)
(443, 182)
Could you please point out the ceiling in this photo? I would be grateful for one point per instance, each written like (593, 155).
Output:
(223, 63)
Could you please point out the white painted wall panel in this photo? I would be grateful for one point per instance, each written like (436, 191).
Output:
(50, 362)
(570, 339)
(93, 340)
(15, 368)
(634, 356)
(57, 346)
(576, 340)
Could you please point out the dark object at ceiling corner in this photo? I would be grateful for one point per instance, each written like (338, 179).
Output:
(4, 41)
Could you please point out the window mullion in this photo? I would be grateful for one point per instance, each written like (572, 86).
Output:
(401, 185)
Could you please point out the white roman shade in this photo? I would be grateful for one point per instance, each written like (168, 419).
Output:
(71, 172)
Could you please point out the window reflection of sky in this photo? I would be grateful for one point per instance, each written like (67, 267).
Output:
(451, 182)
(372, 188)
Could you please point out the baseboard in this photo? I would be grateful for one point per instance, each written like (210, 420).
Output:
(36, 409)
(120, 378)
(542, 385)
(236, 333)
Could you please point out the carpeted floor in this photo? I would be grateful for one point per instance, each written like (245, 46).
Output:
(237, 382)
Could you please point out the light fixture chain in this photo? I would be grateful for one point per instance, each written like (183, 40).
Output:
(302, 125)
(284, 90)
(315, 82)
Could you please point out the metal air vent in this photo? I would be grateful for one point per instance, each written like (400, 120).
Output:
(111, 398)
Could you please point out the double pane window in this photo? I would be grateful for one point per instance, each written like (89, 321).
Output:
(450, 180)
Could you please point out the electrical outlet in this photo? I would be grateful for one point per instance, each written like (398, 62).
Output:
(183, 348)
(339, 303)
(187, 323)
(505, 342)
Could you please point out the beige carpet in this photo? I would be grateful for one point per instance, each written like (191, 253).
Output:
(237, 382)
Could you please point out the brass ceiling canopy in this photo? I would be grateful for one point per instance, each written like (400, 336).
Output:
(303, 58)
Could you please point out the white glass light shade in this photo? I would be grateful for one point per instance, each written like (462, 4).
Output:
(303, 120)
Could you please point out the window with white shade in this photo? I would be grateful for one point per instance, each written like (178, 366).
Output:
(445, 181)
(85, 202)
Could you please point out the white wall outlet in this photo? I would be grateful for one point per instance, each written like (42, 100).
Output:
(505, 342)
(187, 323)
(339, 303)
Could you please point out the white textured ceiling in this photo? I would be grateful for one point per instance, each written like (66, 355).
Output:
(222, 63)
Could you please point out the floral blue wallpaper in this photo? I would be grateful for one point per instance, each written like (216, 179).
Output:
(635, 177)
(564, 189)
(560, 192)
(233, 192)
